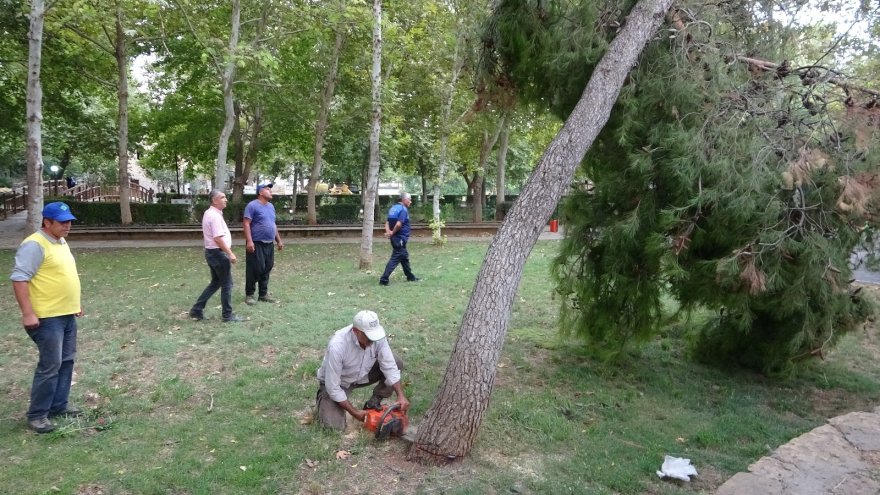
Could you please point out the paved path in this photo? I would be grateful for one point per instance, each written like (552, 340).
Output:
(839, 458)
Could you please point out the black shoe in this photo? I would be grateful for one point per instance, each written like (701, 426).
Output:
(234, 319)
(414, 279)
(269, 299)
(385, 283)
(196, 316)
(374, 403)
(41, 425)
(69, 412)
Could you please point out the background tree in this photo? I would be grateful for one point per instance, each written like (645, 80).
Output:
(372, 183)
(226, 80)
(327, 91)
(35, 116)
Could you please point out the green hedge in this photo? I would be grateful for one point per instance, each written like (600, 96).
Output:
(233, 213)
(348, 212)
(101, 213)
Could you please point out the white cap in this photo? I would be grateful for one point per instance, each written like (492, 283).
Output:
(368, 322)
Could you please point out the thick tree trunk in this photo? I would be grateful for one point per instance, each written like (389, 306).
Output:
(34, 132)
(227, 79)
(122, 121)
(501, 169)
(372, 189)
(321, 125)
(451, 424)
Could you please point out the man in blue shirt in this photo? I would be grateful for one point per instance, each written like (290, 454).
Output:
(397, 229)
(259, 233)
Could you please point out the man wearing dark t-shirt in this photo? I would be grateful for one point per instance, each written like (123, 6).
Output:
(397, 230)
(260, 232)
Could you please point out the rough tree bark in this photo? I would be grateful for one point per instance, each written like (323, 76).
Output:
(121, 55)
(451, 424)
(227, 78)
(323, 117)
(34, 134)
(372, 187)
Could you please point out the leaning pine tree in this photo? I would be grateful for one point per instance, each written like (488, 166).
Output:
(450, 426)
(733, 185)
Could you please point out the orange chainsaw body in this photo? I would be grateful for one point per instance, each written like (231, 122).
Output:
(387, 421)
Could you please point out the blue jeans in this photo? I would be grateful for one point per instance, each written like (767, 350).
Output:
(221, 278)
(56, 342)
(399, 255)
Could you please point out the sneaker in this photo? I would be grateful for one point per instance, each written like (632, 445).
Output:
(373, 403)
(196, 316)
(69, 412)
(234, 319)
(268, 299)
(414, 279)
(250, 300)
(41, 425)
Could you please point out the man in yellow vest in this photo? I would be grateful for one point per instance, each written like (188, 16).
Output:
(47, 288)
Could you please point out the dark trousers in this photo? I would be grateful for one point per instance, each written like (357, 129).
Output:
(258, 265)
(56, 341)
(399, 256)
(221, 278)
(333, 416)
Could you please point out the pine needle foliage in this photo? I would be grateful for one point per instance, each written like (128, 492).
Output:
(735, 188)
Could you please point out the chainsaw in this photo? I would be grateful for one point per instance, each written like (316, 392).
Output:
(386, 421)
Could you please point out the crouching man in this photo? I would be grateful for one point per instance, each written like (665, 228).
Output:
(357, 355)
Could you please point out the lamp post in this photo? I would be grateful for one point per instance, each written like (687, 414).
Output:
(54, 169)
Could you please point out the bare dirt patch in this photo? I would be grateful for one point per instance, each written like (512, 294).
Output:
(380, 468)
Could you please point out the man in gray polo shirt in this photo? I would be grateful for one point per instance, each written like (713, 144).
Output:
(357, 355)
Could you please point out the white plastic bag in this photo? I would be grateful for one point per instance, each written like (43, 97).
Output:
(676, 467)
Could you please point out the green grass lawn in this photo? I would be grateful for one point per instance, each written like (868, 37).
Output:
(182, 407)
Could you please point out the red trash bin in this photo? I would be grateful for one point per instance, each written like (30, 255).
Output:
(554, 225)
